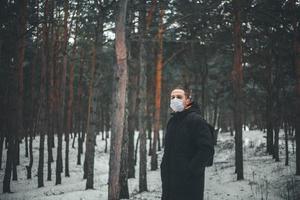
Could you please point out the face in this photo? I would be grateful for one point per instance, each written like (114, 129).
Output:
(180, 94)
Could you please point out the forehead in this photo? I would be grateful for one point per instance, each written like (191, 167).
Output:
(177, 92)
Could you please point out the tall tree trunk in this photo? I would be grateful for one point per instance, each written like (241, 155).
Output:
(237, 76)
(142, 112)
(269, 110)
(92, 101)
(79, 111)
(42, 104)
(51, 93)
(32, 108)
(297, 88)
(59, 162)
(21, 29)
(132, 104)
(90, 139)
(69, 128)
(120, 85)
(69, 119)
(159, 66)
(20, 62)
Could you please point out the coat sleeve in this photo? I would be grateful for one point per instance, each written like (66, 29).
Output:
(203, 142)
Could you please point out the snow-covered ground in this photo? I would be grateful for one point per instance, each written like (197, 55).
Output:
(263, 177)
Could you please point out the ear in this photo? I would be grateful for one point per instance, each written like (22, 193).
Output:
(188, 101)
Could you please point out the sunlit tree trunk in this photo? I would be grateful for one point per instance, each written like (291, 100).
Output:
(159, 66)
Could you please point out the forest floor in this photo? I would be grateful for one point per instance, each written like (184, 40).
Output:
(264, 179)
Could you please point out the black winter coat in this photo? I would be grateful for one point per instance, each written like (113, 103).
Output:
(188, 148)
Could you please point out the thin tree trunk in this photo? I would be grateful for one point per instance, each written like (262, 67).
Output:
(142, 112)
(41, 161)
(237, 76)
(107, 120)
(276, 143)
(132, 104)
(42, 126)
(136, 149)
(149, 129)
(15, 172)
(297, 68)
(120, 85)
(21, 29)
(69, 119)
(269, 111)
(286, 140)
(51, 101)
(1, 148)
(90, 139)
(59, 162)
(29, 167)
(22, 17)
(79, 111)
(50, 156)
(67, 129)
(159, 66)
(26, 147)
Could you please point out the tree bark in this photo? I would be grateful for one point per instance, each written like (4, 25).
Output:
(59, 162)
(296, 48)
(142, 112)
(132, 103)
(120, 85)
(159, 66)
(90, 138)
(286, 141)
(42, 125)
(124, 192)
(8, 167)
(79, 111)
(237, 76)
(269, 110)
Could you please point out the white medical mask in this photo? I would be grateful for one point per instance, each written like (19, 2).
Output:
(177, 105)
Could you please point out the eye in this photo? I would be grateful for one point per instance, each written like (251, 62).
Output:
(172, 97)
(179, 97)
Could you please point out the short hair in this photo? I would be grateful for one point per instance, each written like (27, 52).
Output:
(187, 91)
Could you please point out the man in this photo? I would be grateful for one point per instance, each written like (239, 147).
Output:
(188, 150)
